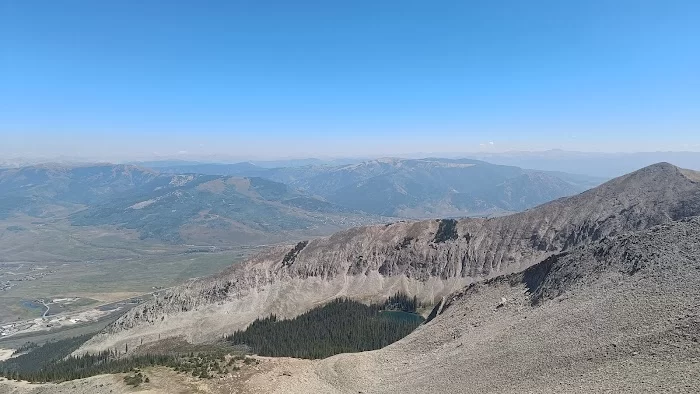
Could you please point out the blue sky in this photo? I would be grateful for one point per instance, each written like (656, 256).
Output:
(125, 79)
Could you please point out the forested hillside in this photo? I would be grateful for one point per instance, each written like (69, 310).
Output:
(342, 326)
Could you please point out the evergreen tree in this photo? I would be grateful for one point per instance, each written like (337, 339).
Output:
(342, 326)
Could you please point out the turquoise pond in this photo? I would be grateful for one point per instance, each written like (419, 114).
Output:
(400, 315)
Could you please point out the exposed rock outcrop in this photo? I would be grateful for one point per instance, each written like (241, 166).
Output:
(618, 315)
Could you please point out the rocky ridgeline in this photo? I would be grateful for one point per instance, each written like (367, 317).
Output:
(424, 253)
(617, 315)
(658, 253)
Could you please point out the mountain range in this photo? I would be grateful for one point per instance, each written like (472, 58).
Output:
(416, 188)
(248, 204)
(429, 259)
(190, 208)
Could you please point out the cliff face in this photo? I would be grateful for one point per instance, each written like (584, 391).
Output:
(429, 259)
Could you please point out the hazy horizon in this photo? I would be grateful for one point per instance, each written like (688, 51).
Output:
(233, 159)
(113, 148)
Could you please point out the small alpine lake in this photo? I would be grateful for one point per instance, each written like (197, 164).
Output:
(402, 316)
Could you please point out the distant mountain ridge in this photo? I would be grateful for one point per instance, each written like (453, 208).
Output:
(417, 188)
(31, 189)
(220, 204)
(172, 207)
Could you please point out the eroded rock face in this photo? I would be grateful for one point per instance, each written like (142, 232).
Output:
(618, 315)
(429, 259)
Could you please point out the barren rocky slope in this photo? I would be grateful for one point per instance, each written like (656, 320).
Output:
(430, 259)
(619, 315)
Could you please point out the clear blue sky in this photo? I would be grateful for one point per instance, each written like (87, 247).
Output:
(312, 78)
